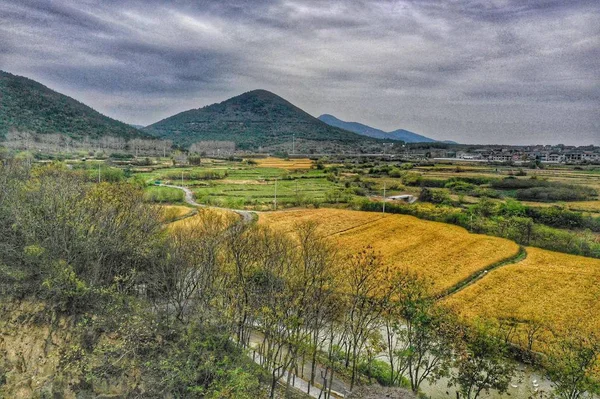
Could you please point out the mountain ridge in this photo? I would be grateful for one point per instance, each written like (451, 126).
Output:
(28, 106)
(360, 128)
(256, 118)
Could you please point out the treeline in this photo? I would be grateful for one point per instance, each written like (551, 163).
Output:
(530, 189)
(530, 226)
(170, 312)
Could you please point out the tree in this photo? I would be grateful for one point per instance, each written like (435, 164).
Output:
(366, 277)
(573, 363)
(187, 276)
(427, 335)
(317, 264)
(481, 362)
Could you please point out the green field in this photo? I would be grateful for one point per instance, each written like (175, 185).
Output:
(240, 185)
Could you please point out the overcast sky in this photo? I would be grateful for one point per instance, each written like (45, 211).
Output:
(474, 71)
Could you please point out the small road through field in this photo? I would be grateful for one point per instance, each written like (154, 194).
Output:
(247, 216)
(473, 278)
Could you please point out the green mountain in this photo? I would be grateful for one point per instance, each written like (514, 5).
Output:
(254, 119)
(28, 106)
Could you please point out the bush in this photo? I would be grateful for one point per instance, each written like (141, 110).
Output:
(194, 160)
(163, 195)
(459, 186)
(435, 196)
(66, 292)
(380, 371)
(551, 194)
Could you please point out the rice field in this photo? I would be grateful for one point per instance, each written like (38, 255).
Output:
(443, 253)
(288, 164)
(546, 286)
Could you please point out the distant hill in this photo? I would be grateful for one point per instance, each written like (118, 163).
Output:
(29, 107)
(400, 134)
(254, 119)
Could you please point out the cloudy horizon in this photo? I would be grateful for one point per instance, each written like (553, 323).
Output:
(477, 71)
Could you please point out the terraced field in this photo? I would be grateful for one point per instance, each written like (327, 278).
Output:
(546, 286)
(444, 253)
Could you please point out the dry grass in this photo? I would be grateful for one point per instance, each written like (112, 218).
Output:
(173, 212)
(202, 213)
(290, 164)
(444, 253)
(547, 286)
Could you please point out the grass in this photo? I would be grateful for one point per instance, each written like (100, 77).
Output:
(260, 194)
(443, 253)
(172, 213)
(163, 195)
(547, 286)
(246, 186)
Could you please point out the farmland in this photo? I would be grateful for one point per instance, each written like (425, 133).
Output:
(288, 164)
(545, 287)
(443, 253)
(251, 185)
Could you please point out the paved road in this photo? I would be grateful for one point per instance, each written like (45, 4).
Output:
(247, 216)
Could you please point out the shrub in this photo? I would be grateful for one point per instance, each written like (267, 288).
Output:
(163, 194)
(551, 194)
(459, 186)
(435, 196)
(380, 371)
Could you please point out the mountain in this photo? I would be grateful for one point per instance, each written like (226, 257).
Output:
(27, 106)
(400, 134)
(254, 119)
(354, 127)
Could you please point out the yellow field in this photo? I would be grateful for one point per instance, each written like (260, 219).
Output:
(444, 253)
(547, 285)
(290, 164)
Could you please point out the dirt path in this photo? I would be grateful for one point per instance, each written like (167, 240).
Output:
(472, 279)
(247, 216)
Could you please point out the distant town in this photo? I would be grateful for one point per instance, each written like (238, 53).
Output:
(551, 154)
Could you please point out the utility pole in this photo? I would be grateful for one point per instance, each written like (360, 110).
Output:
(182, 178)
(383, 197)
(275, 201)
(98, 173)
(293, 143)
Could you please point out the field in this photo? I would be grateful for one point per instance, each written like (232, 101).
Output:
(288, 164)
(242, 185)
(546, 286)
(163, 195)
(444, 253)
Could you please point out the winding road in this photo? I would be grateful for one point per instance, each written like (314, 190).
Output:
(247, 216)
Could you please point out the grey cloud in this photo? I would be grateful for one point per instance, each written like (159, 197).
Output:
(461, 70)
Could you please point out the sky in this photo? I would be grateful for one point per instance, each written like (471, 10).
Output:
(473, 71)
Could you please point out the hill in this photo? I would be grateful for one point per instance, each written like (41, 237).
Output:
(254, 119)
(27, 106)
(365, 130)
